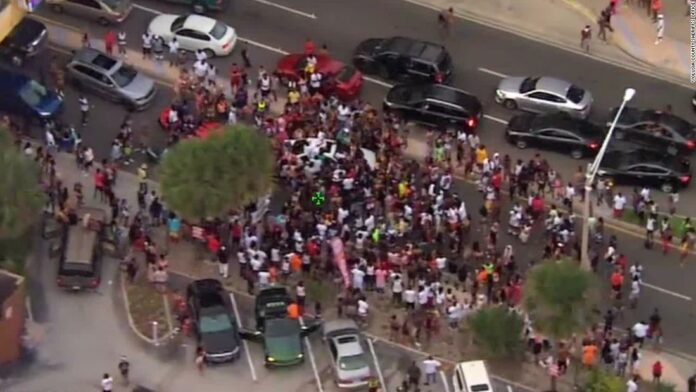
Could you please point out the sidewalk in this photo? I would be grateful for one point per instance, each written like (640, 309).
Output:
(558, 23)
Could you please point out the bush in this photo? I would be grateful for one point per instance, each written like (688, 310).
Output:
(498, 331)
(601, 381)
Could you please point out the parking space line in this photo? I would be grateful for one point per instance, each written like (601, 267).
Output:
(311, 359)
(491, 72)
(244, 342)
(377, 366)
(443, 376)
(288, 9)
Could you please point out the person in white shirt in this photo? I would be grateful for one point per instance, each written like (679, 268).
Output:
(264, 278)
(363, 308)
(640, 331)
(397, 288)
(410, 298)
(635, 292)
(173, 52)
(107, 383)
(631, 385)
(358, 277)
(619, 204)
(423, 294)
(441, 262)
(430, 368)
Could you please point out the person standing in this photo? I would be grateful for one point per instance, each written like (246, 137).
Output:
(107, 383)
(414, 375)
(158, 47)
(200, 360)
(84, 109)
(585, 37)
(223, 261)
(245, 56)
(660, 27)
(121, 40)
(174, 52)
(431, 366)
(109, 42)
(147, 45)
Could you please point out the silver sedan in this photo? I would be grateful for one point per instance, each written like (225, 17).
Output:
(544, 95)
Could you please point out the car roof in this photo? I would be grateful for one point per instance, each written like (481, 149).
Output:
(81, 241)
(474, 372)
(96, 58)
(452, 95)
(27, 26)
(414, 48)
(348, 345)
(554, 85)
(564, 121)
(632, 115)
(199, 22)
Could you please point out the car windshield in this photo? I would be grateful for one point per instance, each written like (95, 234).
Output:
(124, 76)
(352, 362)
(217, 323)
(178, 23)
(528, 85)
(218, 31)
(345, 74)
(33, 93)
(575, 94)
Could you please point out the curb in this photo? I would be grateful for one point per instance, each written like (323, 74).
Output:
(620, 43)
(131, 323)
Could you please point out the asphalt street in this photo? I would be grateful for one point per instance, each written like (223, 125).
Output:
(481, 56)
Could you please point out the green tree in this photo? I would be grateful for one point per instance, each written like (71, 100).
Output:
(601, 381)
(498, 330)
(560, 298)
(226, 171)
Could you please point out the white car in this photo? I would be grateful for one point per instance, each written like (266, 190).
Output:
(195, 32)
(313, 149)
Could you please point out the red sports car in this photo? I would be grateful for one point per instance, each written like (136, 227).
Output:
(340, 79)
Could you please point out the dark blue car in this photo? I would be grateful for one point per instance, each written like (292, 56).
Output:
(23, 96)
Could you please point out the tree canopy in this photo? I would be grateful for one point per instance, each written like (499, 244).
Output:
(21, 196)
(498, 330)
(226, 171)
(602, 381)
(560, 298)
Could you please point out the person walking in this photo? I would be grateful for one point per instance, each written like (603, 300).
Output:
(107, 383)
(660, 28)
(413, 374)
(200, 360)
(124, 366)
(121, 40)
(585, 37)
(84, 109)
(245, 56)
(174, 52)
(431, 366)
(147, 45)
(223, 261)
(445, 19)
(109, 42)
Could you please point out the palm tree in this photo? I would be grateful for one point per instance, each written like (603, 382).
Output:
(498, 330)
(560, 298)
(226, 171)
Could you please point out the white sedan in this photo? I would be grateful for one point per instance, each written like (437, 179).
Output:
(195, 32)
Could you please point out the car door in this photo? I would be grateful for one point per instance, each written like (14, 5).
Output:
(430, 113)
(87, 8)
(419, 71)
(192, 40)
(540, 102)
(558, 140)
(392, 65)
(637, 175)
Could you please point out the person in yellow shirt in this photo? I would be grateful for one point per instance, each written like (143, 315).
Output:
(481, 154)
(293, 97)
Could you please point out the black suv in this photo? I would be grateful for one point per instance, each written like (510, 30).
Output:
(645, 167)
(24, 41)
(557, 131)
(434, 104)
(655, 129)
(403, 59)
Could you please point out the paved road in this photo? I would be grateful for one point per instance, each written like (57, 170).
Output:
(479, 63)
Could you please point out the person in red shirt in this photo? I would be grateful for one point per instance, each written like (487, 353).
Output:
(235, 77)
(616, 281)
(110, 42)
(657, 371)
(309, 46)
(99, 182)
(213, 243)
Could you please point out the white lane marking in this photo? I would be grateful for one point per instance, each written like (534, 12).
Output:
(311, 359)
(288, 9)
(244, 342)
(378, 82)
(496, 119)
(264, 46)
(665, 291)
(444, 380)
(147, 9)
(492, 72)
(377, 366)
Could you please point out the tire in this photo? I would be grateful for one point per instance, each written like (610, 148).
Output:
(57, 8)
(510, 104)
(667, 187)
(103, 21)
(577, 154)
(209, 53)
(198, 8)
(521, 144)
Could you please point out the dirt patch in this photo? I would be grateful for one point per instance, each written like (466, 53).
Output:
(147, 305)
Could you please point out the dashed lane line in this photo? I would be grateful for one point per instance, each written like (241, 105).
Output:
(491, 72)
(288, 9)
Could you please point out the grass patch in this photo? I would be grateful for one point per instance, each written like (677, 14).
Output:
(324, 291)
(147, 305)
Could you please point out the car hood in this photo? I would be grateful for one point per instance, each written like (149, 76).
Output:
(217, 343)
(521, 122)
(50, 105)
(511, 85)
(284, 348)
(139, 87)
(26, 33)
(162, 25)
(368, 47)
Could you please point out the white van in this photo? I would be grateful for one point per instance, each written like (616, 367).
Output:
(471, 376)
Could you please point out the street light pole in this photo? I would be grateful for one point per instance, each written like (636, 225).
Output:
(589, 179)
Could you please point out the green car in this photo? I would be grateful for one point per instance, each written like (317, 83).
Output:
(203, 6)
(282, 342)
